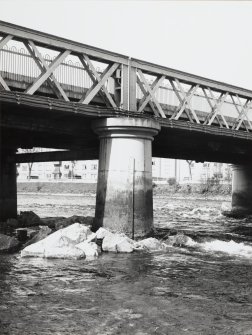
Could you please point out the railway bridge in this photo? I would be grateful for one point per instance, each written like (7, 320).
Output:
(97, 104)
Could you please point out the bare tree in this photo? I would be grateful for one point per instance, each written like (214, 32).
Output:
(30, 164)
(190, 168)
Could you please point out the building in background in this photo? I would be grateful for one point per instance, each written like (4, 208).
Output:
(163, 170)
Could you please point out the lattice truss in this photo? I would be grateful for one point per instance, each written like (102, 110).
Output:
(47, 70)
(195, 103)
(154, 92)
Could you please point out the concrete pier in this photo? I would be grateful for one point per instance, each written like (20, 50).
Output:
(8, 184)
(242, 190)
(124, 200)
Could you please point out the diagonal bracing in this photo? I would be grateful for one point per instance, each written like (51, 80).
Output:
(149, 94)
(41, 63)
(96, 79)
(48, 71)
(99, 83)
(3, 42)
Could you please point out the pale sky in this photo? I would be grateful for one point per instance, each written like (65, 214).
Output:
(211, 39)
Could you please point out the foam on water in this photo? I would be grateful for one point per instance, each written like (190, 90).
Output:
(229, 247)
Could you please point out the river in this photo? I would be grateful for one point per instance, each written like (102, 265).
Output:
(204, 287)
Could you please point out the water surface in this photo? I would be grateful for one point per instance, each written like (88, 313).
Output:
(204, 287)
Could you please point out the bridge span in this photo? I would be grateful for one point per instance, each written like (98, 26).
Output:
(57, 93)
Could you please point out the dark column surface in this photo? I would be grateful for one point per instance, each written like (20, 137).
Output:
(8, 184)
(242, 189)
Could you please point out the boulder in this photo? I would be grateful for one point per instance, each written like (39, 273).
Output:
(150, 244)
(66, 252)
(90, 249)
(101, 233)
(178, 240)
(117, 243)
(64, 239)
(13, 223)
(8, 243)
(65, 222)
(29, 219)
(51, 221)
(40, 235)
(21, 234)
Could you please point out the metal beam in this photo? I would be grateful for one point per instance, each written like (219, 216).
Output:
(58, 43)
(53, 156)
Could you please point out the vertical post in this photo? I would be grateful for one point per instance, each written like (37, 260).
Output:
(132, 88)
(125, 87)
(129, 86)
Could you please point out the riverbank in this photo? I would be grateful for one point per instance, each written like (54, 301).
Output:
(188, 190)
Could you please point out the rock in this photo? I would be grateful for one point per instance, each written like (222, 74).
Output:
(13, 223)
(178, 240)
(92, 237)
(64, 239)
(32, 231)
(150, 244)
(62, 223)
(40, 235)
(117, 243)
(66, 252)
(51, 221)
(28, 219)
(90, 249)
(8, 243)
(101, 233)
(21, 234)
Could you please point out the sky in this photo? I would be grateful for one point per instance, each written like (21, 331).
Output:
(211, 39)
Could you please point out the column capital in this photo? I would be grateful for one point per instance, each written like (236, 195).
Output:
(126, 127)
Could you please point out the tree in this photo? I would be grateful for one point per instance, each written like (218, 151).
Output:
(72, 169)
(30, 164)
(190, 168)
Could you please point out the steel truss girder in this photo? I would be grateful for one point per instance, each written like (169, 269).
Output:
(133, 74)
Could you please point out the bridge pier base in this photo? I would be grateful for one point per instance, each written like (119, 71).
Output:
(124, 200)
(242, 190)
(8, 184)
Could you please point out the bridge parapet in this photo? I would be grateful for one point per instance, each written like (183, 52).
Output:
(71, 71)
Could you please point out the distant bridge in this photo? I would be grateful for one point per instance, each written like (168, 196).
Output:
(53, 91)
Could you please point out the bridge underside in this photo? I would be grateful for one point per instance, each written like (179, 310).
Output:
(36, 122)
(28, 122)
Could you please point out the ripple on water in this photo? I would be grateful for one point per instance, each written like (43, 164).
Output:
(199, 288)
